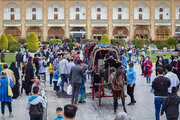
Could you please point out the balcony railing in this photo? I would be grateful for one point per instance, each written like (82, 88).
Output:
(80, 20)
(122, 20)
(55, 20)
(29, 20)
(141, 20)
(98, 20)
(12, 20)
(163, 20)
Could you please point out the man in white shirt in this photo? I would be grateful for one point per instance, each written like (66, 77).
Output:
(173, 77)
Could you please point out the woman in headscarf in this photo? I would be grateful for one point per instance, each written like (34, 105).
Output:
(29, 76)
(16, 85)
(148, 70)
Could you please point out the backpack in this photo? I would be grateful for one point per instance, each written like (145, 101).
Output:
(36, 111)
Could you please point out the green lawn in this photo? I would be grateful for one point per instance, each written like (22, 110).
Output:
(9, 58)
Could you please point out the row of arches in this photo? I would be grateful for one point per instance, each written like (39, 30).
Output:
(162, 32)
(98, 11)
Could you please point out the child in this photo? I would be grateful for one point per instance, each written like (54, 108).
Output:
(59, 113)
(51, 72)
(35, 105)
(131, 79)
(171, 104)
(55, 80)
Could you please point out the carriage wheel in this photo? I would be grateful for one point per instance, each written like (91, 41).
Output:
(99, 94)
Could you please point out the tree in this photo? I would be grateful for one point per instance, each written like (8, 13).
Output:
(11, 40)
(22, 40)
(4, 42)
(105, 39)
(172, 42)
(33, 42)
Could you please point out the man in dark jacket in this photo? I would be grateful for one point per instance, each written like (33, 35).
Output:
(2, 56)
(171, 104)
(165, 60)
(75, 78)
(19, 59)
(160, 86)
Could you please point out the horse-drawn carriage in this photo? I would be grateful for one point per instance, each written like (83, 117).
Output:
(114, 75)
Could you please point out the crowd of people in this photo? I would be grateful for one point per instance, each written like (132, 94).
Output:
(66, 67)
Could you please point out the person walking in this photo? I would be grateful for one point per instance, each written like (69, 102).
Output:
(42, 67)
(172, 77)
(130, 54)
(63, 71)
(36, 63)
(16, 85)
(36, 105)
(176, 66)
(75, 78)
(148, 70)
(9, 73)
(142, 64)
(51, 72)
(4, 98)
(137, 55)
(2, 56)
(19, 58)
(160, 85)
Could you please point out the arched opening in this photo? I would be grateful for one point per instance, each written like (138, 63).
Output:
(140, 10)
(33, 9)
(14, 31)
(160, 9)
(120, 32)
(55, 33)
(98, 9)
(78, 34)
(162, 33)
(98, 32)
(12, 9)
(37, 30)
(55, 10)
(119, 9)
(77, 9)
(141, 32)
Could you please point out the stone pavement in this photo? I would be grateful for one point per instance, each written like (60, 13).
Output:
(142, 110)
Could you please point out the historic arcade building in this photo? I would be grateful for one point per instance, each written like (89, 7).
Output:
(90, 19)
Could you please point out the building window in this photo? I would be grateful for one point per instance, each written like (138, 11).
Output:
(77, 9)
(140, 9)
(161, 16)
(160, 9)
(12, 10)
(119, 17)
(12, 17)
(34, 17)
(55, 10)
(98, 16)
(119, 10)
(99, 10)
(34, 10)
(140, 16)
(55, 16)
(77, 16)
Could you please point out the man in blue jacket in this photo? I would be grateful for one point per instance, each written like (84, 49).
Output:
(131, 79)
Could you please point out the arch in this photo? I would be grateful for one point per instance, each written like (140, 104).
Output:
(99, 9)
(162, 11)
(14, 31)
(56, 32)
(55, 9)
(120, 10)
(141, 32)
(34, 10)
(37, 30)
(120, 32)
(178, 12)
(141, 10)
(12, 9)
(97, 32)
(162, 33)
(77, 11)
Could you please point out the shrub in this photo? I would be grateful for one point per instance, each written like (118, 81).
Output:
(22, 40)
(14, 46)
(70, 45)
(119, 42)
(4, 42)
(33, 42)
(161, 44)
(139, 43)
(54, 41)
(11, 40)
(105, 39)
(172, 42)
(45, 42)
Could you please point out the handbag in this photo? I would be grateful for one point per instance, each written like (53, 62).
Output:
(10, 93)
(69, 90)
(59, 81)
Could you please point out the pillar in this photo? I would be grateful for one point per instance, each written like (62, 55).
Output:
(1, 17)
(131, 19)
(173, 17)
(88, 17)
(23, 19)
(110, 13)
(67, 19)
(152, 16)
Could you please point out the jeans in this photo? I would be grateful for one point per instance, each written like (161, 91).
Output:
(75, 91)
(9, 104)
(18, 65)
(44, 74)
(40, 118)
(129, 54)
(130, 92)
(63, 79)
(158, 101)
(51, 76)
(55, 86)
(137, 58)
(148, 79)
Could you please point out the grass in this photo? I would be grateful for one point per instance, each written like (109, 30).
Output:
(9, 58)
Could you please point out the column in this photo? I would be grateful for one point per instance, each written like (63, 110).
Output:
(88, 17)
(23, 19)
(1, 18)
(131, 19)
(45, 12)
(173, 17)
(152, 16)
(110, 20)
(67, 19)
